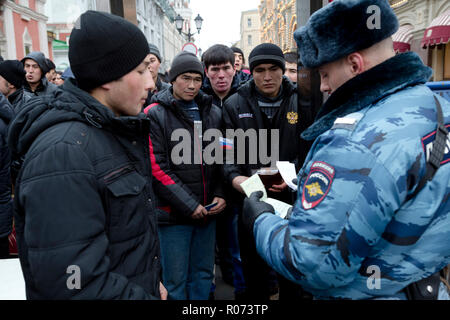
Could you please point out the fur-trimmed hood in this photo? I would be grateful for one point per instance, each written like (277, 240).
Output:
(395, 74)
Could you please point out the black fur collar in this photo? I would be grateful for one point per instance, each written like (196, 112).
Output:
(369, 87)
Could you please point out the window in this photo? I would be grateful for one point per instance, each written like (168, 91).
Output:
(249, 22)
(250, 40)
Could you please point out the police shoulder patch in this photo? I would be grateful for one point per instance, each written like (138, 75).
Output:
(317, 184)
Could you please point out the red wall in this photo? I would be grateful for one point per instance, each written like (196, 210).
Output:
(19, 28)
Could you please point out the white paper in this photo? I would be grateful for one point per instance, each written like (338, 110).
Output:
(253, 184)
(12, 284)
(288, 173)
(281, 208)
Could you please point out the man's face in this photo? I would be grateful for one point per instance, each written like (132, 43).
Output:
(221, 77)
(186, 86)
(238, 61)
(333, 75)
(291, 71)
(4, 86)
(268, 78)
(154, 66)
(34, 72)
(51, 76)
(127, 95)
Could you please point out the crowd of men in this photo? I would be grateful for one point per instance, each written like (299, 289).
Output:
(107, 205)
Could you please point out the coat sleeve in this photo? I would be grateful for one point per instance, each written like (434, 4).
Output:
(166, 184)
(64, 229)
(331, 231)
(6, 212)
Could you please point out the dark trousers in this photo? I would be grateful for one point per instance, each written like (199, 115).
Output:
(4, 248)
(260, 279)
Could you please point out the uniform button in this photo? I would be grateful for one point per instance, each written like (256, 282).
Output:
(149, 200)
(430, 289)
(155, 258)
(134, 143)
(136, 188)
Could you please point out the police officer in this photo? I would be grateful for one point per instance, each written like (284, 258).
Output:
(366, 223)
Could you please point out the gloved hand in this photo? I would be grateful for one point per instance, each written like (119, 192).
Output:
(253, 208)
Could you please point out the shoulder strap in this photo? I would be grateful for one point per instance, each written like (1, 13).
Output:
(437, 152)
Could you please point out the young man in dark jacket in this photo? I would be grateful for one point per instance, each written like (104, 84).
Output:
(85, 219)
(36, 67)
(221, 82)
(267, 102)
(184, 184)
(155, 63)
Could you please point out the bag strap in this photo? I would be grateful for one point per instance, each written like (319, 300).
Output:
(437, 152)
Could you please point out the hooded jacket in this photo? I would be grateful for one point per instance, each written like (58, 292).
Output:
(83, 200)
(6, 213)
(44, 87)
(180, 188)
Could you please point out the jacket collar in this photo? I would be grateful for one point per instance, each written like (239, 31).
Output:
(368, 88)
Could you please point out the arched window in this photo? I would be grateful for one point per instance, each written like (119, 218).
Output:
(27, 42)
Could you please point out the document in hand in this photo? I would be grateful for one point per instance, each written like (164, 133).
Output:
(287, 171)
(253, 184)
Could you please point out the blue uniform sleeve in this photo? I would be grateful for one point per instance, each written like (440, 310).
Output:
(346, 198)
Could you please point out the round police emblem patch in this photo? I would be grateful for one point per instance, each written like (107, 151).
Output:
(317, 184)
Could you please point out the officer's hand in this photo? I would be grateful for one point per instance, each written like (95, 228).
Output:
(253, 208)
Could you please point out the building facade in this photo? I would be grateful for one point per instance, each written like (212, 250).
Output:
(250, 31)
(425, 29)
(278, 23)
(23, 29)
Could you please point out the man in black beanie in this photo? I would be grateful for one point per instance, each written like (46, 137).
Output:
(268, 101)
(155, 63)
(184, 189)
(12, 78)
(85, 218)
(36, 67)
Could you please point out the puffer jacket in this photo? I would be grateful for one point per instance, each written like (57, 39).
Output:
(83, 200)
(180, 188)
(6, 213)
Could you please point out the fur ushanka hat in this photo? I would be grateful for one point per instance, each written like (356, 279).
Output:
(343, 27)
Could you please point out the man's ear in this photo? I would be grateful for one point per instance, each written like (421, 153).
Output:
(356, 62)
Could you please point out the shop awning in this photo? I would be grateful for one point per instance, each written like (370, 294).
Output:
(402, 38)
(438, 32)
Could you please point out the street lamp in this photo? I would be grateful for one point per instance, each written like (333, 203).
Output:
(179, 24)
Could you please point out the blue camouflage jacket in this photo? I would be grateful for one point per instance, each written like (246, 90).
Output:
(354, 233)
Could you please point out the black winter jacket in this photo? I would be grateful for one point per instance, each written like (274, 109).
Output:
(241, 111)
(6, 212)
(83, 200)
(180, 188)
(44, 88)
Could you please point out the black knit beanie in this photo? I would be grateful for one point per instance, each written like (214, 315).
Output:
(267, 53)
(185, 62)
(103, 48)
(13, 72)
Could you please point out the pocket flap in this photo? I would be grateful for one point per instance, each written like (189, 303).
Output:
(130, 184)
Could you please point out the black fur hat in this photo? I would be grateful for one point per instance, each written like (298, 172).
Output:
(343, 27)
